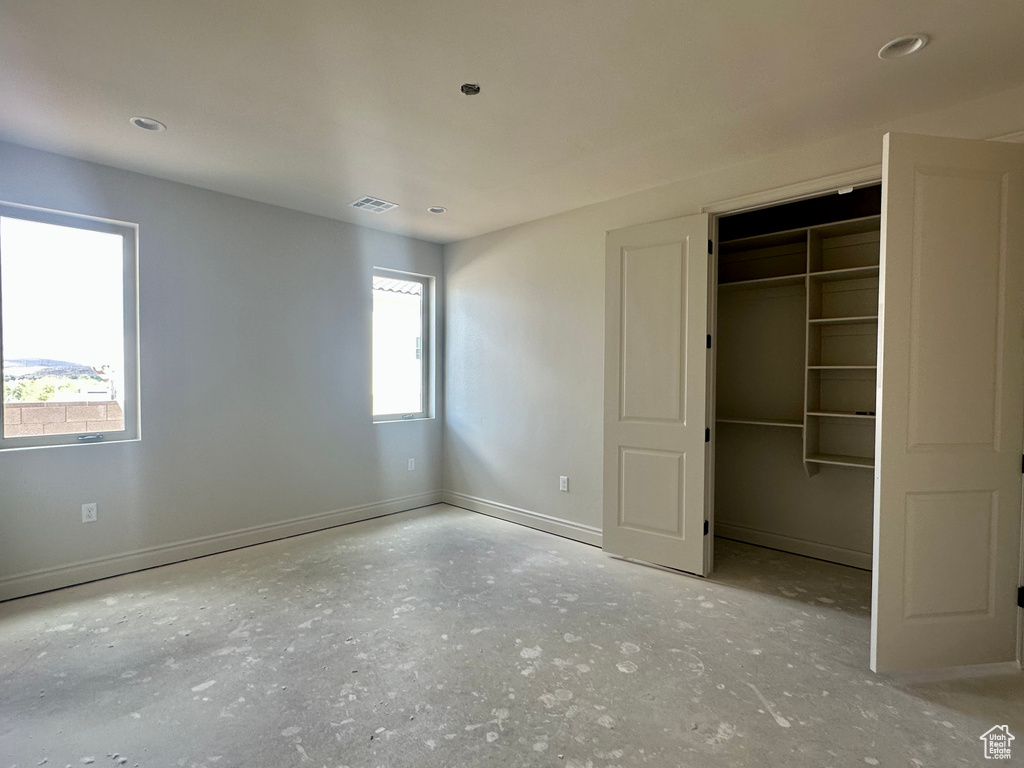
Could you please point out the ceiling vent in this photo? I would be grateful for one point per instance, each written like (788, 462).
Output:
(373, 204)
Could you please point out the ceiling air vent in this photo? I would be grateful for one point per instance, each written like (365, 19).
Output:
(373, 204)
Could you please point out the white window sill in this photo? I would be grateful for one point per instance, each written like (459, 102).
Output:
(403, 421)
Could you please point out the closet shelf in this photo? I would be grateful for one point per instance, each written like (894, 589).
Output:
(842, 414)
(844, 320)
(763, 282)
(763, 422)
(851, 273)
(770, 240)
(841, 461)
(858, 226)
(841, 367)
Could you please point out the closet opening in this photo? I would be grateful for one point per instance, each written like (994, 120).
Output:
(795, 328)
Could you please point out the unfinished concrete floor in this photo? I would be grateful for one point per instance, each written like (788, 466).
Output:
(444, 638)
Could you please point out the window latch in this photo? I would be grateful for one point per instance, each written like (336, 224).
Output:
(89, 438)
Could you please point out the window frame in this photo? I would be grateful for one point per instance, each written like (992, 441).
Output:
(130, 290)
(426, 345)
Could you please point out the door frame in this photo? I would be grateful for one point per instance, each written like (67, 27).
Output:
(769, 198)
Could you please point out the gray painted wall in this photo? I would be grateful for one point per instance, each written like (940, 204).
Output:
(263, 315)
(255, 367)
(525, 325)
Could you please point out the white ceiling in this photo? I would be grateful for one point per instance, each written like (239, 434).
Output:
(310, 104)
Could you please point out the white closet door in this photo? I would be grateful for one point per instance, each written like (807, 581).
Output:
(949, 427)
(655, 389)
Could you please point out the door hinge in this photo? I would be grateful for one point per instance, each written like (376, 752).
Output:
(707, 434)
(711, 248)
(706, 527)
(1020, 597)
(709, 341)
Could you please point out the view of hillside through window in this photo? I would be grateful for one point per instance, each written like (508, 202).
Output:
(62, 301)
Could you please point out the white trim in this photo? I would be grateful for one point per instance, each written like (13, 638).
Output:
(587, 534)
(31, 582)
(1020, 583)
(1017, 137)
(129, 391)
(427, 325)
(790, 192)
(813, 187)
(84, 216)
(953, 673)
(834, 554)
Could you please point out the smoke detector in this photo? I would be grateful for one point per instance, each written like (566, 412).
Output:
(373, 204)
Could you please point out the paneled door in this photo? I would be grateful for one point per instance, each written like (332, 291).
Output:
(950, 401)
(655, 389)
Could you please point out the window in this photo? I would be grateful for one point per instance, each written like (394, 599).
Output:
(67, 329)
(401, 345)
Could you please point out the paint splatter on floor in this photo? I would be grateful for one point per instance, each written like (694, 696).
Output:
(440, 638)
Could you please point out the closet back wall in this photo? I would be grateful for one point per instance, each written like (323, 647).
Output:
(255, 398)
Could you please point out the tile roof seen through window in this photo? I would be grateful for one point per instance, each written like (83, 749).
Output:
(393, 285)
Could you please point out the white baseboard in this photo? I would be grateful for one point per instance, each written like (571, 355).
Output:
(1017, 137)
(586, 534)
(834, 554)
(29, 583)
(956, 673)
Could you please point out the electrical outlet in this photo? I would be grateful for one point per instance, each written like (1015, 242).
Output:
(412, 464)
(563, 483)
(89, 513)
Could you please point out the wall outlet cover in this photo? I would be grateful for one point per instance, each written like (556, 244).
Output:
(89, 512)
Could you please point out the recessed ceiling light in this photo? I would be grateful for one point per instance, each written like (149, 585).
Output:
(470, 89)
(148, 124)
(903, 46)
(437, 209)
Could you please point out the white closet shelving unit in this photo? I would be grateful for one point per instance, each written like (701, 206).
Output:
(836, 265)
(842, 342)
(797, 323)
